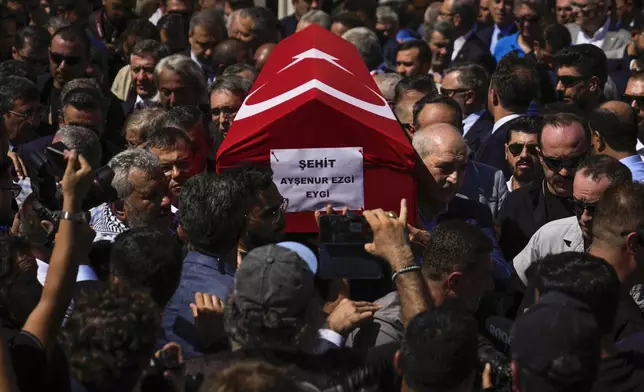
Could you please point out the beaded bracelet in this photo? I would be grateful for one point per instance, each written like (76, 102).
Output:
(409, 268)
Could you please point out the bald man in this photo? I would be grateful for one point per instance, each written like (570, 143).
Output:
(261, 55)
(444, 152)
(613, 128)
(229, 52)
(563, 145)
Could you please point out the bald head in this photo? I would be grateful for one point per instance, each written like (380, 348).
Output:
(261, 55)
(614, 129)
(228, 52)
(622, 110)
(438, 138)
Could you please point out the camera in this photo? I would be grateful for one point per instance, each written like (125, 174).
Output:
(501, 370)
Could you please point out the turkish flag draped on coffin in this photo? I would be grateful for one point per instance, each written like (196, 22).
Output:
(316, 92)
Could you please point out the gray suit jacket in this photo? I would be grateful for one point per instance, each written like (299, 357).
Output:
(614, 44)
(485, 184)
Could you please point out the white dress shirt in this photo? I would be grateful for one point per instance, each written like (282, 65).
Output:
(503, 120)
(509, 184)
(471, 120)
(154, 19)
(495, 38)
(597, 39)
(460, 42)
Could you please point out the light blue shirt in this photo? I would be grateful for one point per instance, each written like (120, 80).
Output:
(470, 120)
(635, 164)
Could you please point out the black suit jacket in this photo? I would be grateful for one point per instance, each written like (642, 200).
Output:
(492, 149)
(474, 51)
(485, 35)
(479, 131)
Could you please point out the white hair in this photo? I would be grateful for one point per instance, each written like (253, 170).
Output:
(186, 68)
(424, 139)
(387, 84)
(83, 140)
(368, 45)
(125, 163)
(386, 15)
(318, 17)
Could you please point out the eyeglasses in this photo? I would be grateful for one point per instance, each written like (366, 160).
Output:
(69, 60)
(517, 148)
(29, 114)
(15, 190)
(556, 164)
(638, 99)
(450, 92)
(226, 110)
(570, 81)
(579, 206)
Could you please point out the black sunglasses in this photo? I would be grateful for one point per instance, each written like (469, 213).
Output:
(517, 148)
(69, 60)
(529, 19)
(556, 164)
(638, 99)
(569, 81)
(580, 206)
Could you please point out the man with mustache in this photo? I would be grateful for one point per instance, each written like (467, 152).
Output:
(574, 234)
(521, 151)
(441, 43)
(563, 144)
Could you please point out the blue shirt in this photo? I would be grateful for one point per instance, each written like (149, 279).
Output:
(201, 273)
(479, 215)
(635, 164)
(506, 45)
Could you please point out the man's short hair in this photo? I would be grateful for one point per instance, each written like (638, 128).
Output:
(368, 45)
(557, 36)
(141, 27)
(211, 21)
(348, 19)
(250, 376)
(110, 336)
(424, 54)
(387, 85)
(620, 209)
(183, 117)
(126, 162)
(561, 120)
(145, 121)
(467, 10)
(186, 68)
(236, 69)
(17, 68)
(167, 138)
(524, 124)
(148, 259)
(38, 37)
(240, 4)
(620, 135)
(213, 209)
(227, 52)
(596, 167)
(515, 82)
(438, 351)
(253, 178)
(454, 245)
(82, 94)
(152, 48)
(72, 33)
(443, 27)
(422, 83)
(584, 277)
(174, 23)
(472, 77)
(13, 88)
(233, 84)
(439, 100)
(317, 17)
(386, 15)
(264, 26)
(84, 140)
(587, 59)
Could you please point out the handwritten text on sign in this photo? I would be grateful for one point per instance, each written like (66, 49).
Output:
(311, 178)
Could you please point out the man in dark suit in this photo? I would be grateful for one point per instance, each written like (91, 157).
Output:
(503, 17)
(513, 87)
(467, 45)
(289, 23)
(467, 85)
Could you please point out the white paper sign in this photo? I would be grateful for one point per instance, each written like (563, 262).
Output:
(311, 178)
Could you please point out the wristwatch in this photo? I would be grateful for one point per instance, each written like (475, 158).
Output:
(78, 217)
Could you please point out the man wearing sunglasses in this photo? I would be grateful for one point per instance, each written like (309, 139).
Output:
(634, 96)
(613, 128)
(574, 234)
(528, 20)
(581, 75)
(503, 26)
(563, 145)
(521, 151)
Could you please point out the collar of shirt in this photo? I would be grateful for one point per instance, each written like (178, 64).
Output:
(631, 160)
(211, 261)
(509, 184)
(504, 120)
(460, 42)
(142, 103)
(597, 39)
(471, 120)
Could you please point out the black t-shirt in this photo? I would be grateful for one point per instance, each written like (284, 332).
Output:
(557, 207)
(623, 372)
(338, 369)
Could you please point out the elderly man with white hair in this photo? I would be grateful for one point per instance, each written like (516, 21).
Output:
(180, 82)
(317, 17)
(368, 45)
(142, 196)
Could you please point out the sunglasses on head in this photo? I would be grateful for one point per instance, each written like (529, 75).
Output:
(579, 206)
(69, 60)
(556, 164)
(517, 148)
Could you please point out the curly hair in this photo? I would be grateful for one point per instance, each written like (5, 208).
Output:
(250, 376)
(110, 335)
(10, 247)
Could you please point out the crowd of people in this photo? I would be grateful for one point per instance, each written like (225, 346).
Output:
(128, 263)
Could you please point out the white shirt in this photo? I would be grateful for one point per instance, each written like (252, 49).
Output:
(503, 120)
(460, 42)
(142, 103)
(471, 120)
(495, 38)
(154, 19)
(85, 272)
(597, 39)
(562, 235)
(509, 184)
